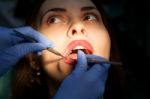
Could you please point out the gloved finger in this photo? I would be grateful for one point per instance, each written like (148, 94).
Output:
(22, 49)
(29, 31)
(12, 55)
(97, 71)
(5, 30)
(81, 65)
(9, 41)
(7, 37)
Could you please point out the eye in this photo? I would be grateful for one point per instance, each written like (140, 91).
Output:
(54, 20)
(90, 17)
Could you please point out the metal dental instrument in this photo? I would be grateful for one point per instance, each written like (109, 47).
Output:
(103, 61)
(34, 41)
(55, 52)
(98, 61)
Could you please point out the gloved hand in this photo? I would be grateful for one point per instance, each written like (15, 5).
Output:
(84, 82)
(13, 47)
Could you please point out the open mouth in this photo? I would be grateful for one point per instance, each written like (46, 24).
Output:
(73, 53)
(72, 49)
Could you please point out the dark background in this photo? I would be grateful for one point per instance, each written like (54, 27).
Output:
(130, 20)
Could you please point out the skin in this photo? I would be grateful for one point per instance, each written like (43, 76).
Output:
(67, 24)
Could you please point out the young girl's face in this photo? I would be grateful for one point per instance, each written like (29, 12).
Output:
(71, 25)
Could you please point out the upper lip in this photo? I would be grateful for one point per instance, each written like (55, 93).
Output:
(75, 43)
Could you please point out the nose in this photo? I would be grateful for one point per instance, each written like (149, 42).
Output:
(76, 29)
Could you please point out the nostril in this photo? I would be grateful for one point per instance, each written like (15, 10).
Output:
(73, 32)
(82, 31)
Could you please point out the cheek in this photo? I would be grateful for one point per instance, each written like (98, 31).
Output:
(100, 40)
(48, 58)
(51, 33)
(56, 27)
(49, 63)
(102, 46)
(57, 36)
(54, 67)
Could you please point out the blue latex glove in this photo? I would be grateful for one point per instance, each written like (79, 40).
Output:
(84, 82)
(13, 47)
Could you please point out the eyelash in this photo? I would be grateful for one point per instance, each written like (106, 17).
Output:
(51, 17)
(90, 13)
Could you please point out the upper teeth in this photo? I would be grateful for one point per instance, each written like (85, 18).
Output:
(79, 47)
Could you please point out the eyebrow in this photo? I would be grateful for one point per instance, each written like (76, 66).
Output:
(55, 10)
(86, 8)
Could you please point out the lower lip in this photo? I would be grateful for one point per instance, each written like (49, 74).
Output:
(71, 60)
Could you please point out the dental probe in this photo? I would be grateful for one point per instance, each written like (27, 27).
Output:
(55, 52)
(98, 61)
(34, 41)
(89, 60)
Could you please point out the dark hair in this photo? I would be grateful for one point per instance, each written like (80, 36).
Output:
(25, 88)
(28, 9)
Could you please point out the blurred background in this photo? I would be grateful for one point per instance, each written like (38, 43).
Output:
(130, 20)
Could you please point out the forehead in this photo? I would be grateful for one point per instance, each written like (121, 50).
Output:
(68, 4)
